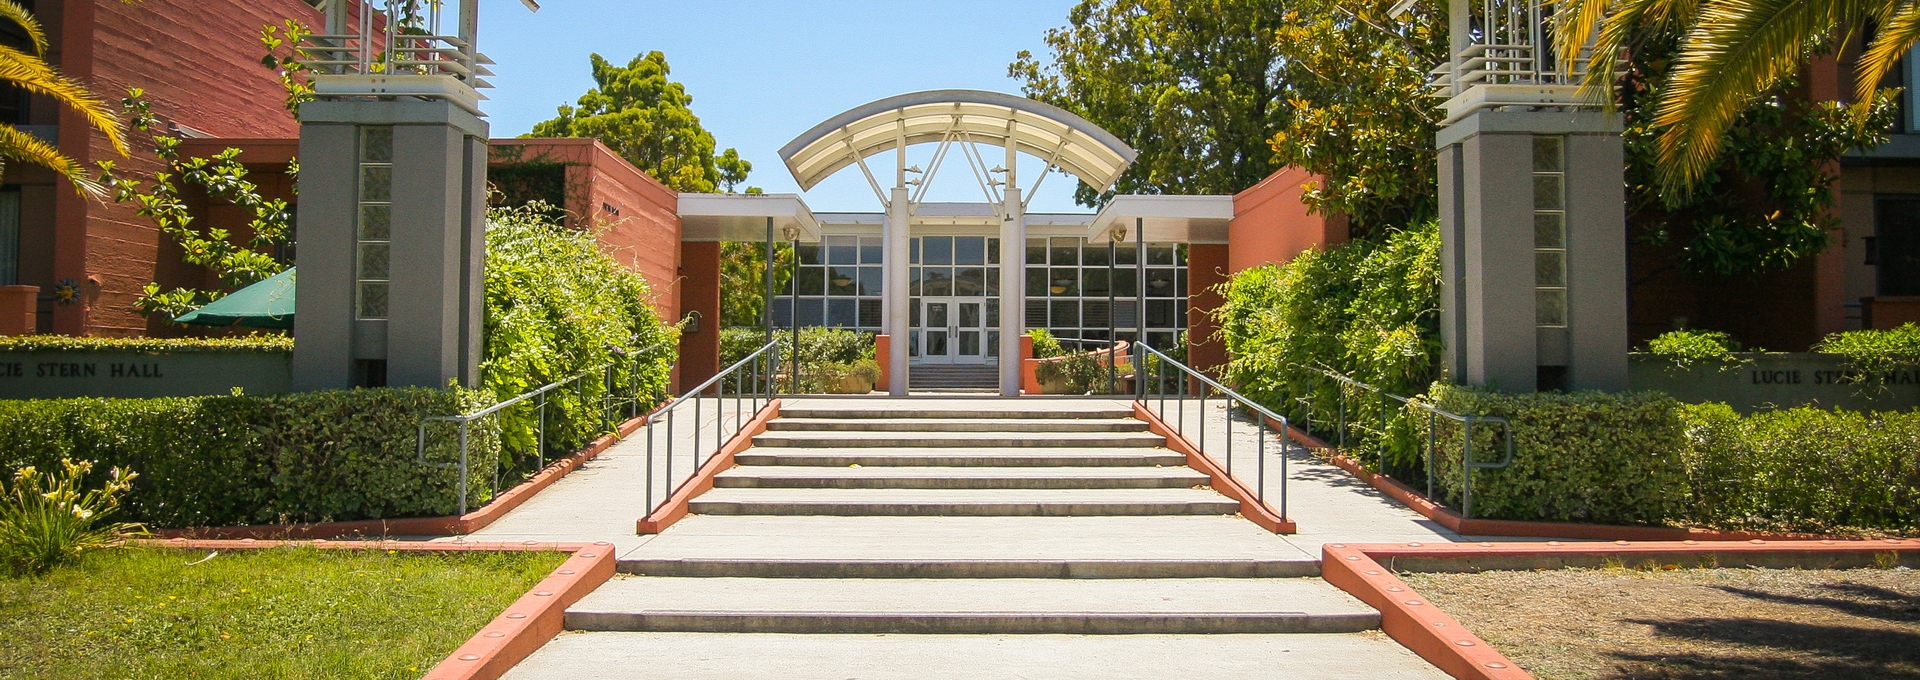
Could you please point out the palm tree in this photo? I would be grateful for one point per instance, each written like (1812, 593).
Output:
(31, 72)
(1732, 51)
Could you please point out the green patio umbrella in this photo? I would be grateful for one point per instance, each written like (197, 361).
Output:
(267, 304)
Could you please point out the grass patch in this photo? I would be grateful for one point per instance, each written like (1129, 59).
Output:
(271, 613)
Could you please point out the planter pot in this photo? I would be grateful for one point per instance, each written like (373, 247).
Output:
(851, 384)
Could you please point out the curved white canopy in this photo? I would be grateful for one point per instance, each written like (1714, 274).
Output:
(1072, 143)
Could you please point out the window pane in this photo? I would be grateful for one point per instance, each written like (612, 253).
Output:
(1066, 315)
(783, 313)
(373, 260)
(1160, 314)
(843, 250)
(373, 300)
(913, 281)
(870, 280)
(1126, 283)
(1094, 255)
(375, 222)
(812, 281)
(1550, 307)
(969, 281)
(870, 313)
(936, 281)
(1036, 313)
(1094, 281)
(913, 343)
(970, 250)
(841, 313)
(936, 314)
(1094, 313)
(1160, 253)
(1160, 283)
(1066, 250)
(1036, 282)
(1546, 154)
(1063, 280)
(1549, 230)
(993, 251)
(993, 281)
(809, 253)
(913, 250)
(843, 280)
(970, 315)
(936, 250)
(376, 183)
(1036, 251)
(811, 310)
(870, 251)
(1546, 192)
(1126, 314)
(1550, 268)
(970, 343)
(993, 312)
(376, 145)
(913, 313)
(1128, 254)
(993, 343)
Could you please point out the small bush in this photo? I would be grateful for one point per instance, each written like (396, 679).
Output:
(1874, 355)
(47, 520)
(1803, 469)
(1582, 456)
(258, 342)
(1688, 347)
(1045, 346)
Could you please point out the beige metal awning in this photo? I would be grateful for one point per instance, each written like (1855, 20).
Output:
(743, 217)
(1166, 219)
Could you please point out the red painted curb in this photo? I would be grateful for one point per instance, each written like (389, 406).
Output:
(702, 480)
(510, 637)
(1452, 520)
(1228, 485)
(425, 526)
(1420, 626)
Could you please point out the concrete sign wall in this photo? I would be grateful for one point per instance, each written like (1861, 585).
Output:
(1776, 379)
(55, 375)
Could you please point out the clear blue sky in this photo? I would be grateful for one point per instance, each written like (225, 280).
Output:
(761, 73)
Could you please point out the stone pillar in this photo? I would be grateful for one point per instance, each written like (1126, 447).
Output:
(18, 307)
(433, 178)
(896, 259)
(1013, 300)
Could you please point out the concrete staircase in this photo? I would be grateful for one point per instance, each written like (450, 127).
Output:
(983, 529)
(953, 378)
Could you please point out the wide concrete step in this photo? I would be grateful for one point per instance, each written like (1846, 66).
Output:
(982, 502)
(773, 477)
(945, 606)
(792, 656)
(785, 424)
(1029, 440)
(957, 408)
(971, 568)
(960, 457)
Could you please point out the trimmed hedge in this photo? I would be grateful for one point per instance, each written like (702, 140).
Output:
(259, 342)
(216, 461)
(1581, 457)
(1803, 469)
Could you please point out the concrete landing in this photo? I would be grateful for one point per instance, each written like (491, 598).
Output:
(819, 477)
(777, 656)
(964, 502)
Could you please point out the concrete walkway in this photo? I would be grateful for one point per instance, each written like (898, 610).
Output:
(856, 520)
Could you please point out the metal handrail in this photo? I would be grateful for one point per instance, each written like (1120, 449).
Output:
(1433, 413)
(755, 387)
(608, 404)
(1141, 351)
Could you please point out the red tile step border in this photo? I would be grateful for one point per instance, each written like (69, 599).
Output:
(675, 507)
(510, 637)
(1417, 624)
(1452, 520)
(1226, 484)
(425, 526)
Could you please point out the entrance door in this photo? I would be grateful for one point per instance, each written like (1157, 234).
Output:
(953, 331)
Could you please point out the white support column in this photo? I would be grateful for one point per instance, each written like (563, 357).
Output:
(1013, 299)
(895, 260)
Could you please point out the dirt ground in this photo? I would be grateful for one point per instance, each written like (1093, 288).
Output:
(1692, 623)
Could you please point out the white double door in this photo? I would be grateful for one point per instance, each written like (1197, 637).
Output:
(954, 331)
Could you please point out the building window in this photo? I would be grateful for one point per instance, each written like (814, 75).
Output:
(1549, 232)
(1068, 281)
(838, 285)
(374, 242)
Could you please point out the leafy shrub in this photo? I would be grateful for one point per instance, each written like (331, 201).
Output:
(1803, 469)
(827, 355)
(305, 457)
(1045, 346)
(1688, 347)
(557, 305)
(1874, 354)
(1582, 456)
(258, 342)
(46, 520)
(1367, 309)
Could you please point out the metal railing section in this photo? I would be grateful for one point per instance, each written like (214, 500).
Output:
(752, 379)
(1152, 395)
(1434, 415)
(617, 403)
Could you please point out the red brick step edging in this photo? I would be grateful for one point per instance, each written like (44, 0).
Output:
(675, 507)
(510, 637)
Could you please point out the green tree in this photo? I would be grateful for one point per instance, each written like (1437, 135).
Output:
(647, 118)
(743, 269)
(1189, 84)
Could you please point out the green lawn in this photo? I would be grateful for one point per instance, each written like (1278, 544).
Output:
(273, 613)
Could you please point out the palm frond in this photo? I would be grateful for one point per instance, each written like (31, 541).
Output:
(1737, 49)
(30, 73)
(27, 148)
(1613, 26)
(1897, 34)
(12, 11)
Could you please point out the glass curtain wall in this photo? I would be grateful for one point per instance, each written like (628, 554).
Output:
(838, 285)
(1067, 287)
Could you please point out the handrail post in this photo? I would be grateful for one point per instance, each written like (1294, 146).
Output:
(463, 468)
(1466, 470)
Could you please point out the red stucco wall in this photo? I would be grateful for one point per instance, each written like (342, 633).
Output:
(700, 293)
(1270, 224)
(1206, 268)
